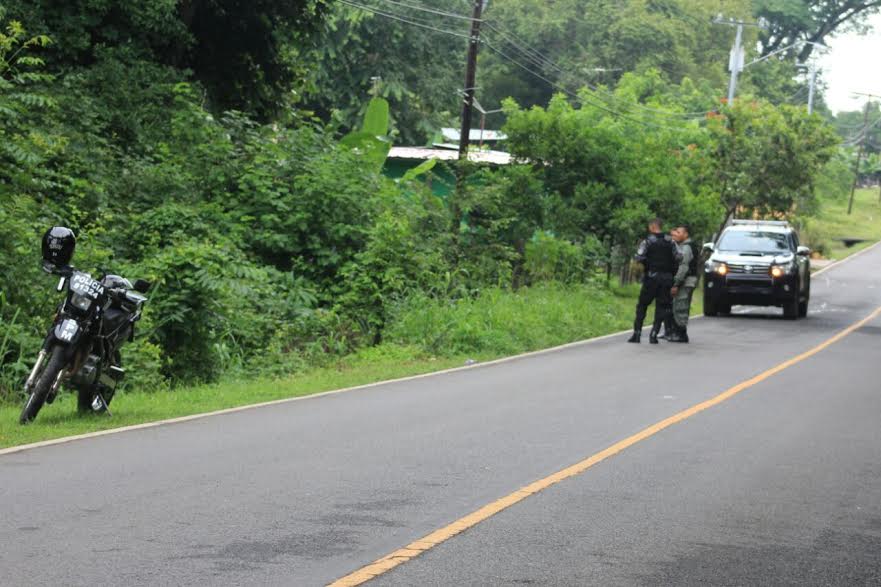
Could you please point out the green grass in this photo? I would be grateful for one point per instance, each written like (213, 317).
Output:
(833, 222)
(428, 336)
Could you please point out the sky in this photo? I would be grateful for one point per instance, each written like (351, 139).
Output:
(852, 65)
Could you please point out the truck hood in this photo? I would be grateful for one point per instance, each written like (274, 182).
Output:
(751, 258)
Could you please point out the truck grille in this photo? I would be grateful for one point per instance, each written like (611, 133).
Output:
(749, 268)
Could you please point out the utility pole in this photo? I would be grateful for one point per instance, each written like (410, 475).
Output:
(735, 63)
(864, 132)
(470, 79)
(736, 58)
(467, 110)
(813, 83)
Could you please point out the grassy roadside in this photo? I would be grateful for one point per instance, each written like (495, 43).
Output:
(835, 223)
(428, 337)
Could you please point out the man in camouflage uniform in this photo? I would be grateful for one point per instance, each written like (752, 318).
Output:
(684, 284)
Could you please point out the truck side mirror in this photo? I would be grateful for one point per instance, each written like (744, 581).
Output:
(803, 251)
(709, 247)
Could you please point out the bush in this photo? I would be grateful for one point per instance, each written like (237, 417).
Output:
(500, 322)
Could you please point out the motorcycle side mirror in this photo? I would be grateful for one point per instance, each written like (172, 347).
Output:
(142, 286)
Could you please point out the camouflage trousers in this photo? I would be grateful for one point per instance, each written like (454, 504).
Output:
(682, 306)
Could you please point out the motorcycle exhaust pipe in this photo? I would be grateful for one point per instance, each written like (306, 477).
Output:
(32, 378)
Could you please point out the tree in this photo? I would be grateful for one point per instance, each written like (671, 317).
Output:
(572, 38)
(418, 71)
(247, 53)
(606, 175)
(767, 158)
(790, 21)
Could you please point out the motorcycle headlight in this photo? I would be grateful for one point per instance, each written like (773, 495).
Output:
(81, 302)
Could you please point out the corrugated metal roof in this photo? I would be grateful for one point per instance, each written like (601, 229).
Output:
(426, 153)
(453, 134)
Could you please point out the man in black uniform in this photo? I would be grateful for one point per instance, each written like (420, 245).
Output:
(660, 257)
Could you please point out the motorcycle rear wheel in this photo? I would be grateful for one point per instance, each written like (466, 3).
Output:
(43, 385)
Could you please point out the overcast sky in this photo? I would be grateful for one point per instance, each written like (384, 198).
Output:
(853, 65)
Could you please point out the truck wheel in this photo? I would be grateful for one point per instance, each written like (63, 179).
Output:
(791, 309)
(710, 306)
(803, 309)
(803, 306)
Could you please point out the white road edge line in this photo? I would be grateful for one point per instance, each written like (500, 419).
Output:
(157, 423)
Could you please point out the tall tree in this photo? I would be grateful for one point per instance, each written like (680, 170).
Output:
(243, 51)
(790, 21)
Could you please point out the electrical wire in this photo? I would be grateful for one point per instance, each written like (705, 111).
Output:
(405, 20)
(431, 10)
(540, 60)
(581, 99)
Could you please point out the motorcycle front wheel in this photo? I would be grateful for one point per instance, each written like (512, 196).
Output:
(43, 386)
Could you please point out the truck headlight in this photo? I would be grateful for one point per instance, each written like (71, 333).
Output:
(717, 267)
(782, 269)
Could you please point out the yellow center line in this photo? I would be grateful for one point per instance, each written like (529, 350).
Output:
(414, 549)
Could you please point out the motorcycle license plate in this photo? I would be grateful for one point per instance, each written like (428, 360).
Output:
(67, 330)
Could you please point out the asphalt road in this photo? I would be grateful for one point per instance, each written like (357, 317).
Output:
(780, 484)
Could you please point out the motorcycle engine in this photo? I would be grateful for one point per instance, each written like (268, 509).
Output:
(88, 373)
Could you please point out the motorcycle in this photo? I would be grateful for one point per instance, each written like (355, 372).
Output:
(81, 349)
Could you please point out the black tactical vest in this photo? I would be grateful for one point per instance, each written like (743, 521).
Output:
(660, 255)
(695, 254)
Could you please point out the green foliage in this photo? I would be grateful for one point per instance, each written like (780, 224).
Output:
(371, 143)
(836, 178)
(419, 71)
(789, 21)
(276, 247)
(767, 158)
(245, 53)
(606, 176)
(499, 322)
(551, 259)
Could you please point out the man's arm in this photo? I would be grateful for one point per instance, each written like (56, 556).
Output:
(641, 251)
(684, 258)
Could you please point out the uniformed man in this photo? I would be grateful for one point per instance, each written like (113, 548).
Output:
(684, 283)
(659, 256)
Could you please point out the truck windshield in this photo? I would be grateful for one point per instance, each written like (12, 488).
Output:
(754, 242)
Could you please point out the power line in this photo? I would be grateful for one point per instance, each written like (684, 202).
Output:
(581, 99)
(541, 60)
(404, 20)
(532, 55)
(429, 10)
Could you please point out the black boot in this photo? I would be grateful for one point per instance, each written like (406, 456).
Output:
(676, 336)
(683, 335)
(653, 337)
(669, 329)
(636, 336)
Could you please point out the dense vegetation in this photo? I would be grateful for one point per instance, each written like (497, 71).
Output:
(199, 144)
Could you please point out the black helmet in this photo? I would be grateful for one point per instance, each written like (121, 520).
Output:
(59, 244)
